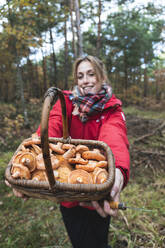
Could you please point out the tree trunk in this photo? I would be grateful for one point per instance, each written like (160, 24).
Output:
(33, 90)
(5, 91)
(44, 69)
(54, 60)
(74, 51)
(21, 91)
(19, 80)
(66, 55)
(157, 91)
(79, 35)
(125, 72)
(38, 82)
(98, 45)
(145, 93)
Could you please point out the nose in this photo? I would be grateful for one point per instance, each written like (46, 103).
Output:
(85, 79)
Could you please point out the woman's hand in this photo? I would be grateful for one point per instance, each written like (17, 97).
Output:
(16, 192)
(114, 195)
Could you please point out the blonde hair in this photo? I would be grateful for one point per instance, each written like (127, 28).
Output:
(98, 67)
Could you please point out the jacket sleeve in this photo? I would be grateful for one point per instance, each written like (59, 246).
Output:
(113, 132)
(55, 128)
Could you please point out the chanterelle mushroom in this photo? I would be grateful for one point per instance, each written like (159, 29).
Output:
(80, 177)
(95, 155)
(20, 171)
(77, 160)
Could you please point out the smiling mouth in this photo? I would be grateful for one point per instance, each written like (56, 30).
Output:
(88, 87)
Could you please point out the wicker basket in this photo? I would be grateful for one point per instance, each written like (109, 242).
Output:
(54, 190)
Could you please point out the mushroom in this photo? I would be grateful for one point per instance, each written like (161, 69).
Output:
(102, 164)
(40, 162)
(91, 165)
(70, 153)
(32, 152)
(24, 149)
(77, 160)
(63, 174)
(31, 141)
(88, 167)
(67, 146)
(100, 175)
(80, 177)
(95, 155)
(34, 136)
(20, 171)
(41, 165)
(55, 162)
(57, 148)
(28, 159)
(39, 175)
(81, 148)
(16, 157)
(56, 173)
(63, 162)
(36, 149)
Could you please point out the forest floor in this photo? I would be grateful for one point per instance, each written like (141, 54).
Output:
(38, 223)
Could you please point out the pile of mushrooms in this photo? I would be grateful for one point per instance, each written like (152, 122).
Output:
(74, 164)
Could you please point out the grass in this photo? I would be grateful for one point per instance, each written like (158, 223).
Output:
(140, 112)
(31, 223)
(139, 228)
(37, 223)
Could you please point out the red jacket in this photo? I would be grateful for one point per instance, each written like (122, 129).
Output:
(108, 126)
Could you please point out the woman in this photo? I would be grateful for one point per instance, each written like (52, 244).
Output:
(94, 113)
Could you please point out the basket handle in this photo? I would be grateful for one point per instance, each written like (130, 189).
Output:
(51, 97)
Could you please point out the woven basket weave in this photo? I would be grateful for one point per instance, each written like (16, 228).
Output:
(54, 190)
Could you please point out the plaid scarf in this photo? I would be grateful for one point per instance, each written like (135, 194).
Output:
(89, 104)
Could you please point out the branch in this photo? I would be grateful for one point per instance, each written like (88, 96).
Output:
(151, 153)
(149, 134)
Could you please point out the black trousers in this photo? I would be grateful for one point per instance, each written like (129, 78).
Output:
(86, 228)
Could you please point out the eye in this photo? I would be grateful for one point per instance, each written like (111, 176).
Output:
(80, 76)
(91, 74)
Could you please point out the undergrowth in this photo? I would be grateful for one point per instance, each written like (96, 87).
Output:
(38, 223)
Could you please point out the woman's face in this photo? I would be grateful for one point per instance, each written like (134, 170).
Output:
(86, 79)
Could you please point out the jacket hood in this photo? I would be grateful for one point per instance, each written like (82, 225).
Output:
(113, 102)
